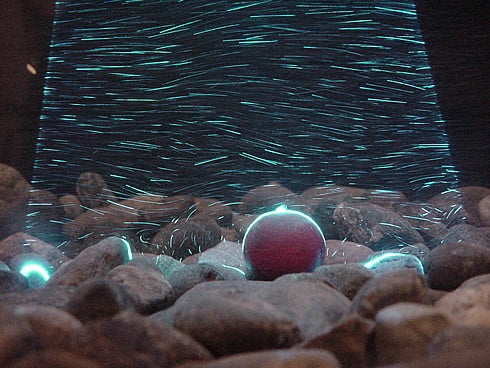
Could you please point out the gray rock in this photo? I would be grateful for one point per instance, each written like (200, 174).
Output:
(20, 243)
(11, 281)
(72, 207)
(453, 263)
(433, 296)
(467, 306)
(162, 263)
(23, 251)
(472, 358)
(11, 246)
(460, 205)
(174, 345)
(148, 290)
(230, 321)
(14, 194)
(419, 250)
(185, 237)
(404, 330)
(291, 358)
(450, 205)
(191, 275)
(347, 278)
(141, 212)
(266, 198)
(49, 252)
(340, 251)
(159, 209)
(387, 261)
(425, 218)
(146, 261)
(476, 280)
(374, 226)
(389, 288)
(459, 339)
(320, 202)
(27, 329)
(96, 260)
(92, 190)
(311, 303)
(17, 337)
(348, 340)
(217, 210)
(225, 253)
(98, 298)
(463, 233)
(128, 341)
(333, 194)
(49, 325)
(168, 265)
(56, 296)
(226, 287)
(484, 211)
(53, 358)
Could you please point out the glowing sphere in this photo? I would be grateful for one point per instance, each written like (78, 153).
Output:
(389, 261)
(282, 241)
(35, 268)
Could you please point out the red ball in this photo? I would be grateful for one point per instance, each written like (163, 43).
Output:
(281, 242)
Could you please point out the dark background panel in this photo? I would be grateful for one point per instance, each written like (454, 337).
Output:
(25, 28)
(457, 44)
(457, 36)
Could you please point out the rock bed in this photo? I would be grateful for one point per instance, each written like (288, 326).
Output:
(181, 297)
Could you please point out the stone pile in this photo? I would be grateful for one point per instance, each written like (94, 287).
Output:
(160, 281)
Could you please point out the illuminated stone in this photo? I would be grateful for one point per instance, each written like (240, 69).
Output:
(390, 261)
(282, 241)
(33, 267)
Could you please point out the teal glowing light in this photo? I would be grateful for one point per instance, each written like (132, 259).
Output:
(378, 261)
(35, 268)
(362, 112)
(32, 269)
(282, 208)
(128, 249)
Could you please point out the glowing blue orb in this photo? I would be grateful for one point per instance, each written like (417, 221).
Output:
(33, 267)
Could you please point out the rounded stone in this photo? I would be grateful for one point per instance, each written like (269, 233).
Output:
(452, 264)
(266, 197)
(281, 242)
(404, 330)
(231, 322)
(387, 289)
(484, 211)
(14, 194)
(276, 358)
(185, 237)
(340, 251)
(467, 306)
(92, 190)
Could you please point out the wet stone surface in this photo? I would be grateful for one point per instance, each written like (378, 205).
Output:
(156, 281)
